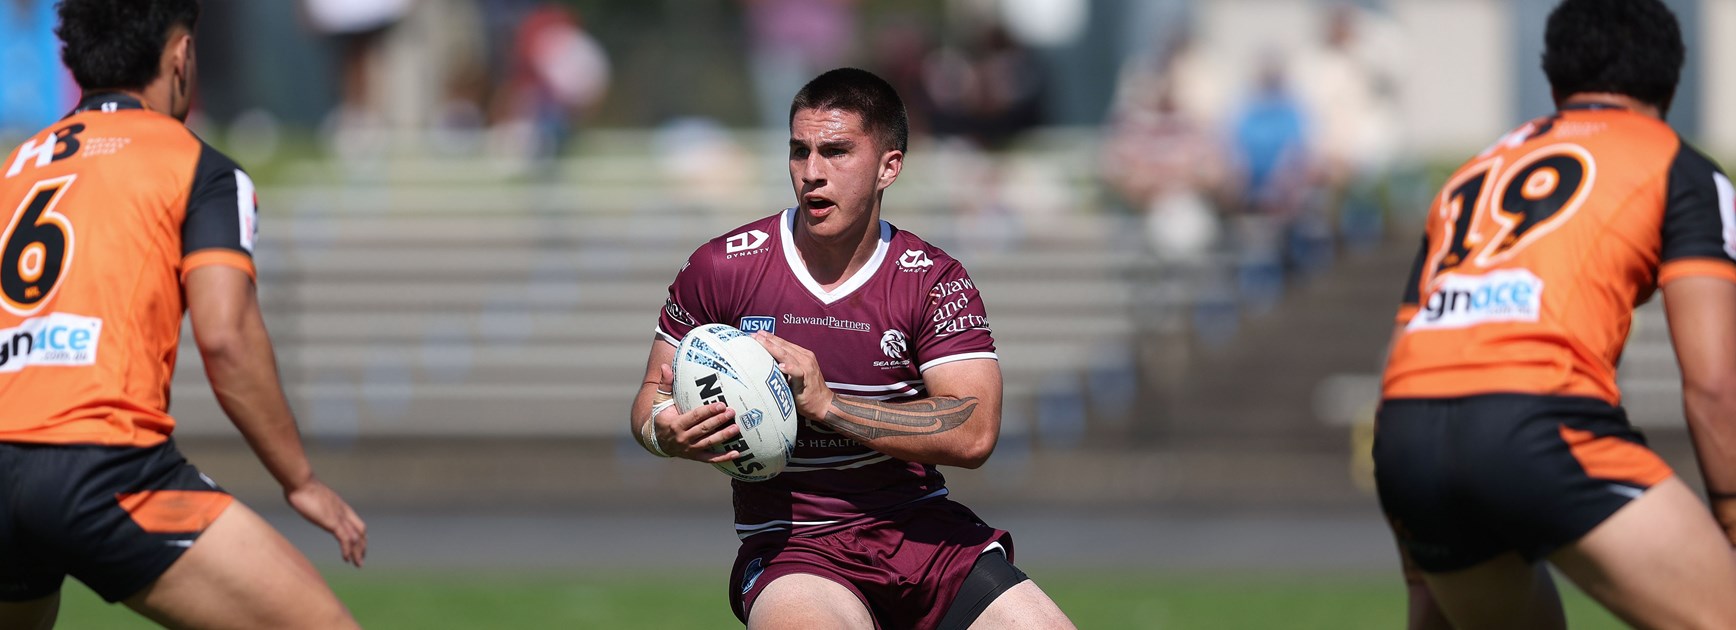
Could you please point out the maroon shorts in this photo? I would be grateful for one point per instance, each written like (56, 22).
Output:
(905, 566)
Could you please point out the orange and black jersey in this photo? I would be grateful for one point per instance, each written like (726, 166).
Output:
(1537, 251)
(110, 209)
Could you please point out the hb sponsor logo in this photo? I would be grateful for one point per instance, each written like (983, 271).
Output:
(1460, 301)
(755, 323)
(748, 242)
(53, 339)
(914, 260)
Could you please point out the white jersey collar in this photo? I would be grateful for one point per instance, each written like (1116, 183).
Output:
(788, 237)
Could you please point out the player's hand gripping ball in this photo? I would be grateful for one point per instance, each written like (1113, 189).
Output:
(718, 363)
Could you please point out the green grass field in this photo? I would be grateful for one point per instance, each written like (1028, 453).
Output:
(670, 602)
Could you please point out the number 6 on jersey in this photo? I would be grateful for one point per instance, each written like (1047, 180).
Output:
(36, 248)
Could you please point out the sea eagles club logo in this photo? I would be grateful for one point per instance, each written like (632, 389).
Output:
(892, 343)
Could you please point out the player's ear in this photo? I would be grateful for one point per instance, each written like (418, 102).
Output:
(178, 55)
(891, 164)
(180, 68)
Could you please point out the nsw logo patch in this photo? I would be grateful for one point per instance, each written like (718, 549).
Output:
(781, 391)
(755, 323)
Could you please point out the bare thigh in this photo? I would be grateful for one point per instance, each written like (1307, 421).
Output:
(800, 601)
(1659, 562)
(1504, 592)
(36, 614)
(1022, 607)
(241, 573)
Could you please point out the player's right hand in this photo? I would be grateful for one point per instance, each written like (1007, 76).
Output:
(692, 435)
(322, 506)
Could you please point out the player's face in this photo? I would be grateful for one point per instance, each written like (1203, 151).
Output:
(837, 170)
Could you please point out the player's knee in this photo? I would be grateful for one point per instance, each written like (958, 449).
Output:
(802, 601)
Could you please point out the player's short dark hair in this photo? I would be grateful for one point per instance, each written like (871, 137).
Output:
(118, 44)
(864, 94)
(1629, 47)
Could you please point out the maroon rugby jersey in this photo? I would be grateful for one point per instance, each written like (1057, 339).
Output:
(912, 307)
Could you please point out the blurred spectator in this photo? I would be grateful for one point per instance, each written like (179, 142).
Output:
(1192, 78)
(988, 94)
(899, 49)
(1269, 137)
(435, 74)
(792, 41)
(1162, 159)
(556, 75)
(358, 27)
(1167, 167)
(1270, 142)
(37, 90)
(1350, 93)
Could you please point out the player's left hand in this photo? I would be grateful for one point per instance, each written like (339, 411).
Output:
(322, 506)
(813, 397)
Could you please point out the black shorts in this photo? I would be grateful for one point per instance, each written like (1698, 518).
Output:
(113, 517)
(1463, 480)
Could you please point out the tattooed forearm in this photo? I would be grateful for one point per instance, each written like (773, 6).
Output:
(868, 420)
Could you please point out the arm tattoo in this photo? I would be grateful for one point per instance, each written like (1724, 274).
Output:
(868, 420)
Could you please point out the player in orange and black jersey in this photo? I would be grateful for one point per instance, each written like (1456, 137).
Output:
(121, 220)
(1500, 441)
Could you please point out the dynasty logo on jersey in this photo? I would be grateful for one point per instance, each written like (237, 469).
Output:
(53, 339)
(1460, 301)
(748, 241)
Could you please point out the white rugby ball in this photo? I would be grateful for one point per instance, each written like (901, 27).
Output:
(717, 362)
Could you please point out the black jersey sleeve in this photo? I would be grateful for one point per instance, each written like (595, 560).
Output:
(1412, 298)
(1699, 226)
(222, 214)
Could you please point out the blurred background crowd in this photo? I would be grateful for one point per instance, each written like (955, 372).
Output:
(1191, 218)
